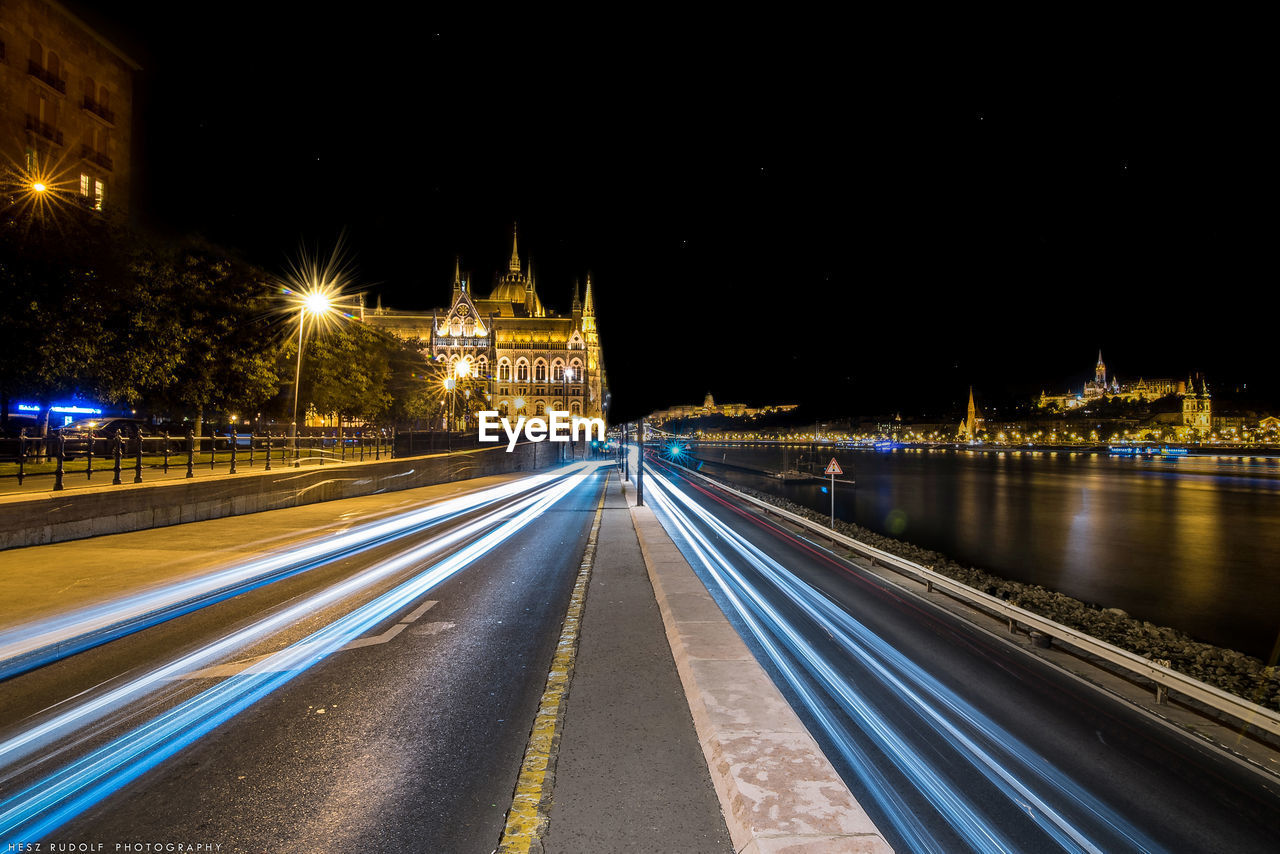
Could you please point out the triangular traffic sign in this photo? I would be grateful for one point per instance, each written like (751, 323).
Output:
(833, 467)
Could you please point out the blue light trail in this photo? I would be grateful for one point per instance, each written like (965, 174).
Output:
(35, 644)
(1017, 771)
(47, 804)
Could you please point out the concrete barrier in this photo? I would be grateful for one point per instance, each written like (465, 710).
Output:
(778, 791)
(53, 517)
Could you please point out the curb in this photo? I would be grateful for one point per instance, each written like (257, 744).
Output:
(778, 791)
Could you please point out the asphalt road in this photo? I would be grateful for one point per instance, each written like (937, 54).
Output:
(411, 741)
(971, 737)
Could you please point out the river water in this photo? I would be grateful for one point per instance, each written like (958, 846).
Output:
(1191, 542)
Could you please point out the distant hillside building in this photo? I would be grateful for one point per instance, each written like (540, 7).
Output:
(710, 407)
(531, 359)
(1101, 387)
(66, 105)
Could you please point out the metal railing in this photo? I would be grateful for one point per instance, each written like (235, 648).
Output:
(88, 152)
(98, 110)
(65, 455)
(46, 76)
(44, 129)
(1164, 678)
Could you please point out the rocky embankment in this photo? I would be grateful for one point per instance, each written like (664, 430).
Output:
(1227, 669)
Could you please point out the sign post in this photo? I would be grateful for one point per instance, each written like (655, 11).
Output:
(833, 469)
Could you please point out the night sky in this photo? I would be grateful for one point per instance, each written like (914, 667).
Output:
(801, 217)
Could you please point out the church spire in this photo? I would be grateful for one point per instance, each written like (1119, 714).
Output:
(577, 301)
(457, 276)
(590, 307)
(514, 264)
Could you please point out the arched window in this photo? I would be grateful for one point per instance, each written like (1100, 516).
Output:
(540, 408)
(455, 327)
(540, 371)
(482, 367)
(36, 54)
(91, 89)
(575, 408)
(55, 67)
(576, 367)
(522, 371)
(557, 371)
(504, 370)
(104, 98)
(504, 407)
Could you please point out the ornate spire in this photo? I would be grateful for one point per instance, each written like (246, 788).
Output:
(577, 301)
(590, 306)
(514, 265)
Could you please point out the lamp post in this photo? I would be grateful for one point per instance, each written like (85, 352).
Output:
(317, 303)
(568, 378)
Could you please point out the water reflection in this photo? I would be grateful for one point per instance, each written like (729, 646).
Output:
(1191, 542)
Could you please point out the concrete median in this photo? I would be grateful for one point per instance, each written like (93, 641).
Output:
(777, 789)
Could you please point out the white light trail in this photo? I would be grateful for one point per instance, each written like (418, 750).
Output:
(22, 744)
(1004, 762)
(48, 804)
(37, 643)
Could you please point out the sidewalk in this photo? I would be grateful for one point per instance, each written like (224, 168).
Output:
(674, 737)
(631, 775)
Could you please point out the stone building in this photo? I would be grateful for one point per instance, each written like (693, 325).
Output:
(1197, 408)
(66, 106)
(1102, 387)
(530, 359)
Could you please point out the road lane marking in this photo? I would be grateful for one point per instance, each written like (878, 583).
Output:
(219, 671)
(527, 818)
(419, 611)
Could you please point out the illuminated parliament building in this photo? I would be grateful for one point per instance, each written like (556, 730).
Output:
(531, 359)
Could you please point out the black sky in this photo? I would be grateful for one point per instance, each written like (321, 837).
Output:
(769, 216)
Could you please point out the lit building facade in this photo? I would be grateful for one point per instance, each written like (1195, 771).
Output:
(1103, 387)
(710, 407)
(66, 105)
(531, 359)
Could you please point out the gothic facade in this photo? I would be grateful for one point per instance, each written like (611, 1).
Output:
(530, 359)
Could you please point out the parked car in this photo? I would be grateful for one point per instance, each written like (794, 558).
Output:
(102, 431)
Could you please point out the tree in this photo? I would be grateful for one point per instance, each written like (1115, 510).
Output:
(346, 371)
(216, 310)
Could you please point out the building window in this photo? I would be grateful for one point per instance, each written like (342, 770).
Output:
(576, 369)
(540, 371)
(99, 194)
(504, 371)
(557, 371)
(84, 185)
(575, 408)
(522, 371)
(540, 408)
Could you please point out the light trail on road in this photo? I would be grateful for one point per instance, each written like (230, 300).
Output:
(1051, 800)
(47, 804)
(35, 644)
